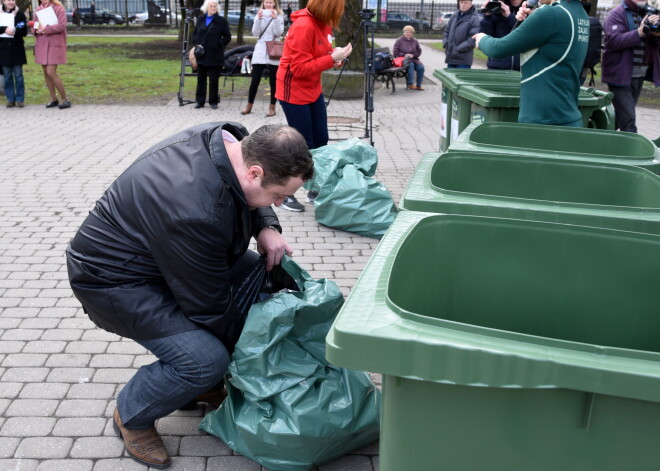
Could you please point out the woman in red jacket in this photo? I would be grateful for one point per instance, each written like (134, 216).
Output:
(50, 51)
(307, 53)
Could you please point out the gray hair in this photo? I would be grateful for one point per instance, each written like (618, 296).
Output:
(206, 5)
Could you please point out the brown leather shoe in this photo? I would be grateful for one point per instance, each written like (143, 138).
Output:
(214, 397)
(144, 446)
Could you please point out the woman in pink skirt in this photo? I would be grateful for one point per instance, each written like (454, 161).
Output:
(50, 51)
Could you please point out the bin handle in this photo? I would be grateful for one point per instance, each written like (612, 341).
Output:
(589, 410)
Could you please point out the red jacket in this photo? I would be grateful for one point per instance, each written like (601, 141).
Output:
(306, 54)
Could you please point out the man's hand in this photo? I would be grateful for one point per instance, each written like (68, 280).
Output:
(523, 12)
(506, 11)
(477, 37)
(273, 244)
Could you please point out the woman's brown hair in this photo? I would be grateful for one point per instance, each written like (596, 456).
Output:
(327, 11)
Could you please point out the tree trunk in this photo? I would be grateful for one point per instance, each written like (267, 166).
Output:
(241, 23)
(350, 32)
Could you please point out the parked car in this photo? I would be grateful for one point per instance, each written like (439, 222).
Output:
(397, 20)
(441, 21)
(233, 16)
(140, 18)
(69, 16)
(102, 16)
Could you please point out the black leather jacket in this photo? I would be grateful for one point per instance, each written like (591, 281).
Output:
(152, 258)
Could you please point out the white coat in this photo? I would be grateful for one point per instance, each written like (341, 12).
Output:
(274, 31)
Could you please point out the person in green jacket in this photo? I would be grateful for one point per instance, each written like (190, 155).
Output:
(552, 43)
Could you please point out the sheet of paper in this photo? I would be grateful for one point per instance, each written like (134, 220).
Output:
(6, 19)
(47, 16)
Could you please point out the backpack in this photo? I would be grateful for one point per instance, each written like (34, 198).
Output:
(593, 48)
(382, 61)
(234, 59)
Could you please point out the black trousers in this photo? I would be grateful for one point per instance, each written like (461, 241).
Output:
(257, 72)
(213, 75)
(624, 102)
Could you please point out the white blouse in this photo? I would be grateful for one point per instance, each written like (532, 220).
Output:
(274, 31)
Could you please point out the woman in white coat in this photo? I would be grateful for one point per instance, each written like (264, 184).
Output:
(268, 26)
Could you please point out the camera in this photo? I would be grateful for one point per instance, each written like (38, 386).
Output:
(366, 14)
(492, 7)
(648, 25)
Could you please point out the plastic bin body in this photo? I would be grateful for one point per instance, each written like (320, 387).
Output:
(501, 102)
(620, 197)
(509, 344)
(559, 142)
(452, 80)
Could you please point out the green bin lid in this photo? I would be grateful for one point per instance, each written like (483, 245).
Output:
(455, 78)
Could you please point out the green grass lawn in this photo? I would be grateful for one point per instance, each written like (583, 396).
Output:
(107, 70)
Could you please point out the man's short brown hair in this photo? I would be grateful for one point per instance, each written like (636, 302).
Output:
(281, 151)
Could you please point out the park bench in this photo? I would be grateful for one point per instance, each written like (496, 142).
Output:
(388, 75)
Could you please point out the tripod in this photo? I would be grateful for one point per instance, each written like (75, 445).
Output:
(367, 28)
(184, 58)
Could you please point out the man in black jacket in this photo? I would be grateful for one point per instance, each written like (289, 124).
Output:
(157, 257)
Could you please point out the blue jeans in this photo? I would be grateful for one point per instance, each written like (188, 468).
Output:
(189, 364)
(310, 120)
(458, 66)
(14, 83)
(419, 68)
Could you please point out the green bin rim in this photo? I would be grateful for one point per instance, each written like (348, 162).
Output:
(533, 362)
(420, 183)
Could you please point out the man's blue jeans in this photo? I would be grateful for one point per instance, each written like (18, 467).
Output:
(419, 68)
(14, 83)
(189, 364)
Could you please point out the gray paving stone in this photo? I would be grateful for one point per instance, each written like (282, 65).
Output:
(112, 361)
(8, 446)
(349, 463)
(11, 347)
(24, 359)
(19, 465)
(97, 447)
(39, 323)
(25, 375)
(44, 447)
(81, 408)
(66, 465)
(27, 427)
(9, 322)
(79, 427)
(77, 323)
(113, 375)
(119, 464)
(184, 426)
(188, 464)
(127, 347)
(4, 404)
(98, 334)
(206, 445)
(87, 347)
(70, 375)
(45, 391)
(233, 463)
(64, 360)
(22, 334)
(142, 360)
(62, 334)
(32, 408)
(10, 390)
(92, 391)
(20, 312)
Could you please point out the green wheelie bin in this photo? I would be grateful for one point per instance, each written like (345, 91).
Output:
(501, 102)
(540, 189)
(559, 142)
(509, 345)
(452, 80)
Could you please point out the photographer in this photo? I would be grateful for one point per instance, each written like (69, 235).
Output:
(499, 18)
(631, 55)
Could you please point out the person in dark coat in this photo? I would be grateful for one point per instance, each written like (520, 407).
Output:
(159, 257)
(12, 54)
(497, 21)
(458, 42)
(212, 32)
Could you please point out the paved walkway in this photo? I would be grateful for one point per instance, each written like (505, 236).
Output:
(59, 374)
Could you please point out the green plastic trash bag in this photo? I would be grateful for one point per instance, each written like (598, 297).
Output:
(328, 159)
(287, 408)
(355, 203)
